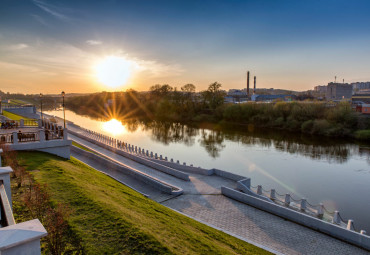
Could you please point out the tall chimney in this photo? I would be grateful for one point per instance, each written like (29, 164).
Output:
(248, 84)
(254, 90)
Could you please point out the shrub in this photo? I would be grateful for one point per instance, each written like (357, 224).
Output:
(292, 124)
(320, 127)
(363, 134)
(307, 126)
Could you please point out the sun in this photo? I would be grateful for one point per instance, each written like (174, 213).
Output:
(113, 71)
(114, 127)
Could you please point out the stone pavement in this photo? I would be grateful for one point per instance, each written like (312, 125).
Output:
(202, 200)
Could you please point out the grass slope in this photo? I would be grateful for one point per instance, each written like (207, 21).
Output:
(14, 116)
(110, 218)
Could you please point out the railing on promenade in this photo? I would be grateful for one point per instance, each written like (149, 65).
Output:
(303, 206)
(14, 124)
(28, 137)
(23, 137)
(300, 205)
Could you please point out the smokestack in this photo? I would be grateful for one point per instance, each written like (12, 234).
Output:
(254, 90)
(248, 84)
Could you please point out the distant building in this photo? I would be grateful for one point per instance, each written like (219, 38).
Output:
(361, 98)
(236, 96)
(269, 98)
(357, 86)
(237, 93)
(338, 91)
(321, 89)
(363, 108)
(366, 109)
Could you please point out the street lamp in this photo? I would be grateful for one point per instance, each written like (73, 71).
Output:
(64, 112)
(41, 106)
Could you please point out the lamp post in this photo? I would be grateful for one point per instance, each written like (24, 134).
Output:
(41, 106)
(64, 112)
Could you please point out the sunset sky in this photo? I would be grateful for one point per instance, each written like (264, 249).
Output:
(50, 46)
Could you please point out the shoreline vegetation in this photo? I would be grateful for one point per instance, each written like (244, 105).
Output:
(164, 103)
(87, 212)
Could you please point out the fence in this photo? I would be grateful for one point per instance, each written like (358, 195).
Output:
(298, 204)
(13, 124)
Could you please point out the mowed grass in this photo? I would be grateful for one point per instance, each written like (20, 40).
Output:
(82, 147)
(14, 116)
(110, 218)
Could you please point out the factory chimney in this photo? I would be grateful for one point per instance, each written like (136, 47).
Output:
(248, 84)
(254, 90)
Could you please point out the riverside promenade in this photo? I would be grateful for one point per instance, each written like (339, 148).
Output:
(202, 200)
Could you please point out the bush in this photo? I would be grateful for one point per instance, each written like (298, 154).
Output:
(363, 134)
(307, 126)
(279, 122)
(292, 124)
(320, 127)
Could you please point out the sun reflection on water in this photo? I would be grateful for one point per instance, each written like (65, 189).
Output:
(114, 127)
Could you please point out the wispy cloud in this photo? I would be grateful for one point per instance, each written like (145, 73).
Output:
(52, 10)
(40, 20)
(19, 46)
(93, 42)
(158, 70)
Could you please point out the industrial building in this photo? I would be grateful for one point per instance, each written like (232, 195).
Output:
(270, 98)
(338, 91)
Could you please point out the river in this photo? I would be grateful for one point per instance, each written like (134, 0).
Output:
(329, 170)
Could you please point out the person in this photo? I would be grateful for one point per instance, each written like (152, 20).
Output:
(20, 136)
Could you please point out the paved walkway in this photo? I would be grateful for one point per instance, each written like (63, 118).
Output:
(202, 200)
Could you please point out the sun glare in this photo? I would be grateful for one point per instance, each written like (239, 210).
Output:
(113, 71)
(114, 127)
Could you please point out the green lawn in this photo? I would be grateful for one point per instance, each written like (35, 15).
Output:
(14, 116)
(17, 102)
(82, 147)
(110, 218)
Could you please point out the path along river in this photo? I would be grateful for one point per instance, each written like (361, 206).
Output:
(329, 170)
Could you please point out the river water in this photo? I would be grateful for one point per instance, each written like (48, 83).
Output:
(329, 170)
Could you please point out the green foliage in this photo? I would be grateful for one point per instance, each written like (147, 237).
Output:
(363, 134)
(307, 126)
(168, 104)
(110, 218)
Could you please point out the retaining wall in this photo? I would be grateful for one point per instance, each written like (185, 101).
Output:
(141, 160)
(304, 219)
(231, 176)
(186, 168)
(160, 185)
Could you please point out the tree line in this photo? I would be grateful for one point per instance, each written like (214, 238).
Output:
(166, 103)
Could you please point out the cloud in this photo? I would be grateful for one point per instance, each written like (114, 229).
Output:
(93, 42)
(19, 46)
(158, 70)
(51, 9)
(40, 20)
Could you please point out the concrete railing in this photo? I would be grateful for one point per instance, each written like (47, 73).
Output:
(111, 164)
(38, 141)
(22, 238)
(131, 155)
(332, 229)
(149, 158)
(301, 205)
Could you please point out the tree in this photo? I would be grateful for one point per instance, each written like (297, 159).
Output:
(160, 90)
(214, 95)
(189, 88)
